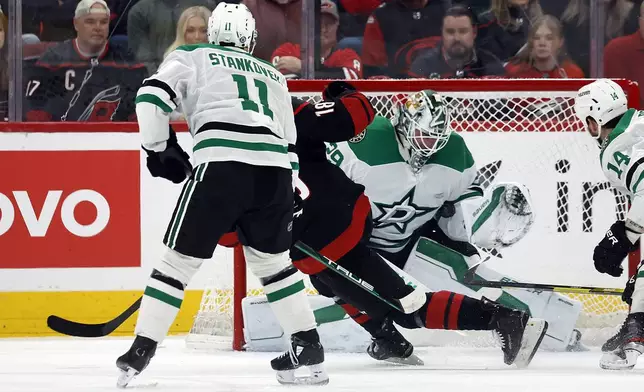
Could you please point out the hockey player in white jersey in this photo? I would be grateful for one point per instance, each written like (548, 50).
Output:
(602, 107)
(239, 112)
(428, 208)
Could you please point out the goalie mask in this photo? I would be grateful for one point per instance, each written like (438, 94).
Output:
(422, 126)
(232, 25)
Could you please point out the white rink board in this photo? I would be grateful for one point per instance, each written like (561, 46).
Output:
(543, 256)
(75, 365)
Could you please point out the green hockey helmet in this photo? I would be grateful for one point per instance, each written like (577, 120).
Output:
(422, 125)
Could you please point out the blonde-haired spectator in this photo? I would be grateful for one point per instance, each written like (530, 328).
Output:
(544, 55)
(576, 22)
(503, 29)
(192, 28)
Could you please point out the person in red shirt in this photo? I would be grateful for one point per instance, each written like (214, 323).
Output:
(624, 56)
(544, 55)
(336, 63)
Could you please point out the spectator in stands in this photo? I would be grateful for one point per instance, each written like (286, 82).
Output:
(456, 56)
(397, 31)
(624, 56)
(336, 64)
(84, 79)
(152, 25)
(277, 21)
(353, 19)
(576, 22)
(503, 29)
(192, 28)
(545, 55)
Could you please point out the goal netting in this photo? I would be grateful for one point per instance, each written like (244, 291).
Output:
(517, 130)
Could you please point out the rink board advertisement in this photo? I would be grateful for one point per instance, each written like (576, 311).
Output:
(81, 221)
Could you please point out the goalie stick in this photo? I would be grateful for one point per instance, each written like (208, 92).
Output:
(470, 279)
(73, 328)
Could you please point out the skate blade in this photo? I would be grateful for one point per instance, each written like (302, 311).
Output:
(610, 361)
(412, 360)
(318, 376)
(530, 342)
(125, 377)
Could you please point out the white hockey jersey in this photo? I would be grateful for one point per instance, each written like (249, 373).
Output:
(622, 161)
(237, 106)
(402, 200)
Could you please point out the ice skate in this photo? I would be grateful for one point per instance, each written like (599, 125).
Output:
(389, 345)
(135, 360)
(520, 335)
(624, 357)
(307, 351)
(616, 340)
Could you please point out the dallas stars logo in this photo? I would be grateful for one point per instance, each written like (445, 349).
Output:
(400, 213)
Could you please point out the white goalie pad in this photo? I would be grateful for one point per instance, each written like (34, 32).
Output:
(440, 268)
(502, 217)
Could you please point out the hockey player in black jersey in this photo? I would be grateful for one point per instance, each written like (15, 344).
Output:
(333, 217)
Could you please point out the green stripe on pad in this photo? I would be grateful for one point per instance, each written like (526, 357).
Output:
(163, 297)
(285, 292)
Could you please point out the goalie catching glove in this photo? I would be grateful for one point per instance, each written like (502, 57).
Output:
(172, 163)
(613, 249)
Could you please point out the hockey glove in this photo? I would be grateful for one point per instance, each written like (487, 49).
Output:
(612, 250)
(298, 204)
(337, 89)
(172, 163)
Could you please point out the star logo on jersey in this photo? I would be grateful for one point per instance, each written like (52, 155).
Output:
(400, 213)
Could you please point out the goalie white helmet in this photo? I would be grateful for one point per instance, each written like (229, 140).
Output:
(602, 100)
(422, 125)
(232, 25)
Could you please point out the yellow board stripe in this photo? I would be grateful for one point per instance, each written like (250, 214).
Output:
(25, 313)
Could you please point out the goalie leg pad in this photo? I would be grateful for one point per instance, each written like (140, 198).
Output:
(284, 288)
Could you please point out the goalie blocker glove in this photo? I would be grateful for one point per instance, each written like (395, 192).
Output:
(172, 163)
(612, 250)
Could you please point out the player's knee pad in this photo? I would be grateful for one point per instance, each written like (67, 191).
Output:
(284, 288)
(264, 264)
(178, 266)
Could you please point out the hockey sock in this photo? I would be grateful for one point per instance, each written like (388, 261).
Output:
(162, 299)
(370, 325)
(286, 295)
(448, 310)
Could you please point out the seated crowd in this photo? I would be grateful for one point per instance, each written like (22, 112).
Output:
(92, 55)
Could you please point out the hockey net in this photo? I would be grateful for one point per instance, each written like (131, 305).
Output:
(518, 130)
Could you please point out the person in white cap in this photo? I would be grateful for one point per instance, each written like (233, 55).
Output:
(88, 79)
(336, 63)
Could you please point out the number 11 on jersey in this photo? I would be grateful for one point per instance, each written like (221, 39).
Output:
(247, 103)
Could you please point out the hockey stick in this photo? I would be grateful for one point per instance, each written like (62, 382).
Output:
(72, 328)
(470, 279)
(335, 267)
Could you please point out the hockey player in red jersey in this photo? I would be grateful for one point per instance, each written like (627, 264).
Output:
(334, 218)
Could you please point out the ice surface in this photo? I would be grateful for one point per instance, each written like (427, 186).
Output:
(75, 365)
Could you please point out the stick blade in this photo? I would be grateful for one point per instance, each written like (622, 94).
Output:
(71, 328)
